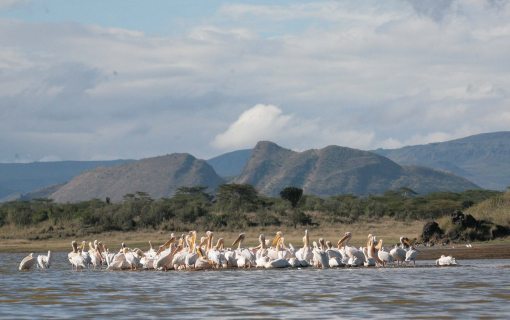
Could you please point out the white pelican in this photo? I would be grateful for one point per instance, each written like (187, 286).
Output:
(247, 254)
(332, 253)
(412, 254)
(273, 253)
(43, 262)
(372, 252)
(383, 254)
(27, 263)
(446, 261)
(164, 258)
(215, 254)
(202, 261)
(85, 254)
(73, 253)
(350, 251)
(95, 255)
(305, 253)
(320, 257)
(261, 256)
(132, 258)
(370, 262)
(277, 263)
(398, 253)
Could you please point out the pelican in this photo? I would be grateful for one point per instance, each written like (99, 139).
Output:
(278, 263)
(351, 252)
(215, 255)
(273, 253)
(95, 255)
(261, 256)
(305, 253)
(43, 262)
(370, 262)
(27, 263)
(446, 261)
(85, 254)
(372, 251)
(74, 252)
(164, 257)
(320, 257)
(383, 255)
(132, 257)
(399, 254)
(411, 254)
(202, 261)
(247, 254)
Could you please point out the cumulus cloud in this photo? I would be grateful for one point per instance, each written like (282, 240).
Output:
(267, 122)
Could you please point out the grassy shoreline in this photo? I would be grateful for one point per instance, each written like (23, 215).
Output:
(387, 229)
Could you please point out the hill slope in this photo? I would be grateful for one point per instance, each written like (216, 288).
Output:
(483, 158)
(159, 176)
(28, 177)
(335, 170)
(230, 163)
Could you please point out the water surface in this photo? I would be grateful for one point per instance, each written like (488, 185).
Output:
(475, 289)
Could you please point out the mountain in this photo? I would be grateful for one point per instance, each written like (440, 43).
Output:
(40, 193)
(158, 176)
(231, 163)
(338, 170)
(27, 177)
(482, 158)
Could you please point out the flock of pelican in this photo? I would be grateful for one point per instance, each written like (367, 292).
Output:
(186, 253)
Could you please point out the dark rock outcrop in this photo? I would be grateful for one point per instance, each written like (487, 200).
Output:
(431, 231)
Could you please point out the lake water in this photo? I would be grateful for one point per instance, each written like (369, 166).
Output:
(475, 289)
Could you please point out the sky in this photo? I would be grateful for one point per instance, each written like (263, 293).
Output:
(130, 79)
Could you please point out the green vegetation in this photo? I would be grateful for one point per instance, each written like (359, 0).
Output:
(236, 207)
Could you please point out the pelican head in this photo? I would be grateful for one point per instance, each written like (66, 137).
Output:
(347, 237)
(279, 234)
(239, 239)
(161, 249)
(379, 246)
(321, 242)
(406, 241)
(169, 242)
(329, 245)
(221, 241)
(203, 241)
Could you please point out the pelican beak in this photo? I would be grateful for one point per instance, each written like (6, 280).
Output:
(82, 245)
(279, 242)
(203, 243)
(378, 247)
(237, 240)
(278, 236)
(169, 242)
(406, 242)
(161, 249)
(343, 239)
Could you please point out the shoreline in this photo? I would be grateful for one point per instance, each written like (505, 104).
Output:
(484, 250)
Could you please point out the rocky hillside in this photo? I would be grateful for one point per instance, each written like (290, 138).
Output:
(22, 178)
(336, 170)
(158, 176)
(483, 158)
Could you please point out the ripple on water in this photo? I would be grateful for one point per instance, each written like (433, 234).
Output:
(424, 292)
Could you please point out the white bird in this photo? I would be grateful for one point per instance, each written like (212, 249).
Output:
(398, 253)
(446, 261)
(412, 254)
(248, 255)
(383, 254)
(351, 252)
(370, 262)
(305, 253)
(43, 262)
(320, 257)
(27, 263)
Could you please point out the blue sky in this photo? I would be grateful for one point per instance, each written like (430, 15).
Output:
(83, 80)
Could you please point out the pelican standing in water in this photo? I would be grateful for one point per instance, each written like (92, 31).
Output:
(446, 261)
(411, 255)
(398, 253)
(247, 254)
(27, 263)
(43, 262)
(383, 254)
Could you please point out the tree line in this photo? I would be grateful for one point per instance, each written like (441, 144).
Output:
(235, 207)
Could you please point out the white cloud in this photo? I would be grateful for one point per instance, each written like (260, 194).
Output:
(267, 122)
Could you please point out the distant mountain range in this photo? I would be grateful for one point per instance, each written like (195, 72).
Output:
(482, 158)
(338, 170)
(158, 176)
(21, 178)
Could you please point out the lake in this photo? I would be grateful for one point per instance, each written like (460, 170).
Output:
(474, 289)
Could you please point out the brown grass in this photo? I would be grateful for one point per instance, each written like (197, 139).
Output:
(59, 239)
(496, 210)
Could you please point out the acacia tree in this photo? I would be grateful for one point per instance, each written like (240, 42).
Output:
(292, 195)
(233, 195)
